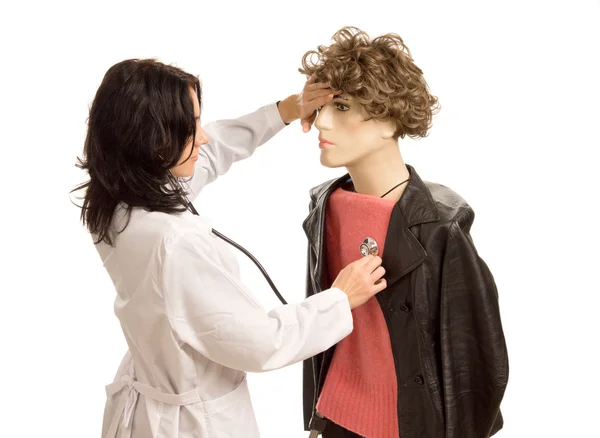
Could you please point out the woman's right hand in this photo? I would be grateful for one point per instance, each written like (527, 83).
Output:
(361, 280)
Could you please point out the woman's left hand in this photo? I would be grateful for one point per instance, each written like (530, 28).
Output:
(304, 106)
(313, 96)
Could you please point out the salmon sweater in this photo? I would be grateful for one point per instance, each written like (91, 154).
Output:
(360, 390)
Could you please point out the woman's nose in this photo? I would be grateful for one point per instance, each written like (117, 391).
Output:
(202, 137)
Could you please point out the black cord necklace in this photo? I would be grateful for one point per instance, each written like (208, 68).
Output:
(390, 190)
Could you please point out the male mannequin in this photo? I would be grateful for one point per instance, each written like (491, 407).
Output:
(427, 357)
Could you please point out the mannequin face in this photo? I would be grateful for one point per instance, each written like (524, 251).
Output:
(346, 137)
(186, 165)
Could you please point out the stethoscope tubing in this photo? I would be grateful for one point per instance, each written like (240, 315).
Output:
(191, 207)
(256, 262)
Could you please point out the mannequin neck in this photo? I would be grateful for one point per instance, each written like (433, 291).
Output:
(379, 171)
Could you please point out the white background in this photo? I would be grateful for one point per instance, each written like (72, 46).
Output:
(518, 85)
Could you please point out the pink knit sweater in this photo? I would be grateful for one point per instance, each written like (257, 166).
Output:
(360, 390)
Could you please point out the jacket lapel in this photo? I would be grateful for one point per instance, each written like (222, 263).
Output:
(314, 227)
(403, 252)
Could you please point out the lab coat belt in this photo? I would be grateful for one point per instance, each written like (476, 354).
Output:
(131, 388)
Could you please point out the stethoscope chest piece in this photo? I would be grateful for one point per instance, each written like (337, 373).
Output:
(369, 246)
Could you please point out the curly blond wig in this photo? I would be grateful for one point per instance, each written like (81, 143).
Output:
(380, 74)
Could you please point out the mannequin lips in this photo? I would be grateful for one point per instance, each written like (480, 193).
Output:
(324, 143)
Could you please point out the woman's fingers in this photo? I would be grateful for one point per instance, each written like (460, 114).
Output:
(316, 86)
(372, 262)
(312, 95)
(311, 80)
(308, 122)
(314, 101)
(377, 273)
(379, 285)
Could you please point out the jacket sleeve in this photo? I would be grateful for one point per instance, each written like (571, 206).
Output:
(210, 310)
(230, 141)
(474, 355)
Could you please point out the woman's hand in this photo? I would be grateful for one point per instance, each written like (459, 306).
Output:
(304, 106)
(313, 96)
(361, 280)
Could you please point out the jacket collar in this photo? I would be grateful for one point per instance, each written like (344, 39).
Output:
(403, 251)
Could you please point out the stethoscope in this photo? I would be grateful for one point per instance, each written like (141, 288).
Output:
(245, 251)
(191, 207)
(368, 246)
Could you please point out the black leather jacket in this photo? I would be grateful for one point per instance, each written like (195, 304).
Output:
(441, 309)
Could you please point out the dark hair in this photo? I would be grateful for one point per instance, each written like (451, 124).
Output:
(139, 123)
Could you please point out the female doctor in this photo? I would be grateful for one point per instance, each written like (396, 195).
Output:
(192, 328)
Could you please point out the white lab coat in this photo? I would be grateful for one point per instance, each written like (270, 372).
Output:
(192, 328)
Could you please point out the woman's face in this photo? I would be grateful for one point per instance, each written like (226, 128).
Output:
(187, 162)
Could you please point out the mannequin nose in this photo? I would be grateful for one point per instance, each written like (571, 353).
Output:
(324, 119)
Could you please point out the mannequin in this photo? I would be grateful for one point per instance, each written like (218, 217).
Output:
(427, 358)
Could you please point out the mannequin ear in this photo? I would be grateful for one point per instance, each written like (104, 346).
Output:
(387, 129)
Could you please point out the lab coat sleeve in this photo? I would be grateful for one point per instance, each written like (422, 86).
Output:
(210, 310)
(230, 141)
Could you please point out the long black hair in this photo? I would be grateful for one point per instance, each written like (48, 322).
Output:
(139, 123)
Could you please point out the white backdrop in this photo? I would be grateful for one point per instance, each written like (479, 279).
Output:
(518, 85)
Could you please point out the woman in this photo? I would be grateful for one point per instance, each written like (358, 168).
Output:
(192, 328)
